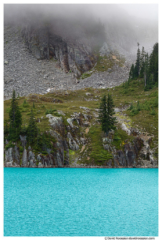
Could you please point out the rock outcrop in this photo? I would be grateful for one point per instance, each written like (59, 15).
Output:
(12, 157)
(67, 135)
(44, 44)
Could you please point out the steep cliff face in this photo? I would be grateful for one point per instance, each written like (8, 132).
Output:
(44, 44)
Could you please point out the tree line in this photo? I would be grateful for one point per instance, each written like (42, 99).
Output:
(13, 128)
(146, 66)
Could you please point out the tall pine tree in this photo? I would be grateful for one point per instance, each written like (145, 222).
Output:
(15, 119)
(146, 69)
(106, 114)
(142, 63)
(103, 114)
(137, 65)
(131, 73)
(153, 67)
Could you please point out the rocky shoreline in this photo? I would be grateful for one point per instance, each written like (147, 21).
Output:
(84, 167)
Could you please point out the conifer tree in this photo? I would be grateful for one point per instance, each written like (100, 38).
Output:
(131, 73)
(142, 63)
(110, 113)
(15, 119)
(31, 129)
(103, 114)
(146, 69)
(137, 65)
(106, 114)
(153, 66)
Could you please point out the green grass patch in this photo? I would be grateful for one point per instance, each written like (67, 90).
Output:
(98, 155)
(85, 75)
(120, 138)
(71, 152)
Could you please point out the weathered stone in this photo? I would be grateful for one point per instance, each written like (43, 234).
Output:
(23, 140)
(72, 143)
(83, 141)
(121, 158)
(16, 155)
(107, 147)
(55, 122)
(40, 165)
(104, 51)
(9, 157)
(86, 124)
(70, 121)
(124, 127)
(88, 94)
(24, 158)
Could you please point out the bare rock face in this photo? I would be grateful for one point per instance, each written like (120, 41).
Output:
(12, 157)
(72, 143)
(31, 159)
(44, 44)
(9, 157)
(61, 154)
(56, 122)
(24, 158)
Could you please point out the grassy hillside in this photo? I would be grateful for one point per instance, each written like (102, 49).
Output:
(139, 110)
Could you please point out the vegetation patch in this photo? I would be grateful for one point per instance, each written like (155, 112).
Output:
(86, 75)
(98, 155)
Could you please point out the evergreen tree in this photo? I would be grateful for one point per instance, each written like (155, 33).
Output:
(137, 65)
(32, 129)
(15, 119)
(103, 114)
(142, 63)
(110, 113)
(131, 73)
(153, 66)
(106, 114)
(146, 69)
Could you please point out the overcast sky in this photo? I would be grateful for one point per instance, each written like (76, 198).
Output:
(146, 11)
(142, 10)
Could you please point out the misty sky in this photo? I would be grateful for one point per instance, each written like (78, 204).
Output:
(146, 11)
(121, 25)
(142, 10)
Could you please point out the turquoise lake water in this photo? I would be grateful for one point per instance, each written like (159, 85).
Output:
(80, 202)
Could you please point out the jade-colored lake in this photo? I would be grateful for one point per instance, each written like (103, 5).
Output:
(80, 202)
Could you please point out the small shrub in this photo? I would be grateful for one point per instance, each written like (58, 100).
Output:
(153, 112)
(155, 104)
(21, 149)
(9, 145)
(138, 106)
(44, 152)
(134, 112)
(131, 107)
(71, 152)
(86, 75)
(8, 109)
(50, 111)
